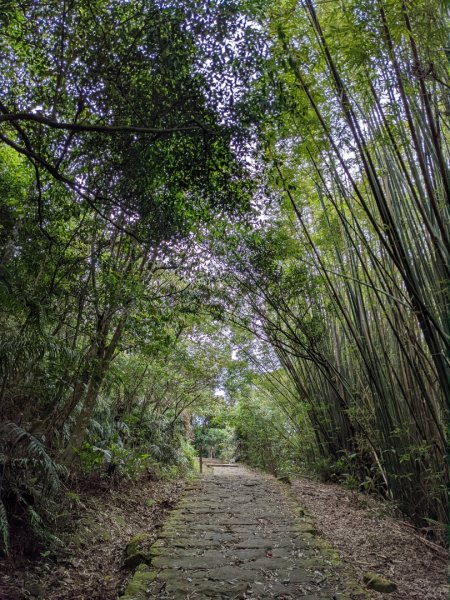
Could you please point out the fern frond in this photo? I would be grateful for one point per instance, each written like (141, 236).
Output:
(34, 451)
(35, 518)
(4, 527)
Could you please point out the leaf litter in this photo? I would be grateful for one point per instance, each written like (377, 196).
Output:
(368, 537)
(90, 564)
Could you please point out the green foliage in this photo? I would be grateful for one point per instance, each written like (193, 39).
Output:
(126, 148)
(345, 280)
(215, 442)
(30, 483)
(264, 435)
(188, 456)
(114, 459)
(171, 171)
(343, 470)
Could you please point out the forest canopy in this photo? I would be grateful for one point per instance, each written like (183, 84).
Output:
(225, 225)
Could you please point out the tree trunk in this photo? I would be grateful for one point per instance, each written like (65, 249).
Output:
(104, 359)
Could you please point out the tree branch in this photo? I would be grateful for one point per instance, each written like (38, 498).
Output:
(92, 128)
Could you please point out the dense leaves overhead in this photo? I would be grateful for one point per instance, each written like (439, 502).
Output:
(133, 106)
(234, 207)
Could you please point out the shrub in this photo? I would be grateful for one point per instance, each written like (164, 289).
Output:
(29, 483)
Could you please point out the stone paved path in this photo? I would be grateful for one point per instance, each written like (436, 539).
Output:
(237, 534)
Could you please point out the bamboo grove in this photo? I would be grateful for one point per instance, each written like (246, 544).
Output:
(350, 282)
(181, 179)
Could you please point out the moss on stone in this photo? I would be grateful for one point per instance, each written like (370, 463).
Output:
(119, 520)
(379, 583)
(170, 532)
(137, 587)
(155, 551)
(137, 550)
(307, 526)
(136, 543)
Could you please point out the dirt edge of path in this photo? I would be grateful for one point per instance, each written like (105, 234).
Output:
(354, 587)
(90, 564)
(369, 539)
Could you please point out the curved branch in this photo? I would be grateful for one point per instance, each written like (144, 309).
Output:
(92, 128)
(90, 198)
